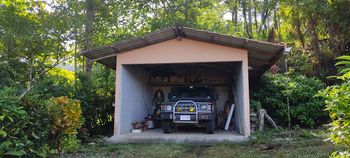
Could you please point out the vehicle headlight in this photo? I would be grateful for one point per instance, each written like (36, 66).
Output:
(168, 107)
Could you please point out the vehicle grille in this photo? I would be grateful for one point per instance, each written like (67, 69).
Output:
(185, 107)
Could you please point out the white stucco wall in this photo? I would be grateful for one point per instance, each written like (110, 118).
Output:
(239, 110)
(136, 96)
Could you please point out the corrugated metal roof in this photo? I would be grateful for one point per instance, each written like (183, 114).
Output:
(262, 55)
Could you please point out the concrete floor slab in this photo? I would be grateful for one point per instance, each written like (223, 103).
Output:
(197, 137)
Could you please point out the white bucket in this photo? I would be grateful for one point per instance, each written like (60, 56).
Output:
(150, 124)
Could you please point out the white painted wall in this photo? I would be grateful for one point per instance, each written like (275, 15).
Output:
(241, 114)
(136, 96)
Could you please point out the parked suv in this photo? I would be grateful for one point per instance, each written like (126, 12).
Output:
(191, 105)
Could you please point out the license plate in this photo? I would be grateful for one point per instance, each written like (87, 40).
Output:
(185, 117)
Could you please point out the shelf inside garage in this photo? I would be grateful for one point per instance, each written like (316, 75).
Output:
(189, 84)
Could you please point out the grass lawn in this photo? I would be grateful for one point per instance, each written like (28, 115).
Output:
(302, 143)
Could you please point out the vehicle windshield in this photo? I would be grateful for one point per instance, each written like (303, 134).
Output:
(191, 92)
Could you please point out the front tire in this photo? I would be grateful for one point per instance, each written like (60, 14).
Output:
(166, 126)
(210, 126)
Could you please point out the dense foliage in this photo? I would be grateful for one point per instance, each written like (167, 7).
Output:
(96, 98)
(305, 109)
(337, 99)
(35, 127)
(38, 36)
(24, 125)
(13, 119)
(34, 36)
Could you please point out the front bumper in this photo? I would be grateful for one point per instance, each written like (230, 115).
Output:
(202, 116)
(205, 116)
(166, 115)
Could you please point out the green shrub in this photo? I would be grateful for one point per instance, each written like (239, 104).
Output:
(70, 143)
(255, 105)
(337, 99)
(96, 99)
(58, 82)
(24, 126)
(37, 125)
(305, 109)
(66, 119)
(13, 119)
(34, 128)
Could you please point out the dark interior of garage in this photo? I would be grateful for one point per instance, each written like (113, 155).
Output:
(223, 77)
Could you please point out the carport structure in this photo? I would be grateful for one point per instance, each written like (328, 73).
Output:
(222, 60)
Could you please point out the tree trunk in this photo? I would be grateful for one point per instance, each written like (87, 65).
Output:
(236, 17)
(30, 75)
(261, 15)
(299, 32)
(186, 10)
(271, 36)
(315, 39)
(276, 23)
(75, 58)
(249, 18)
(297, 24)
(245, 26)
(334, 43)
(275, 18)
(88, 34)
(234, 14)
(255, 18)
(264, 12)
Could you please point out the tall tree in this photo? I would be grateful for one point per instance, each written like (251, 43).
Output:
(250, 23)
(245, 22)
(89, 33)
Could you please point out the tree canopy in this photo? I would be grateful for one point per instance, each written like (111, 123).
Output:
(37, 34)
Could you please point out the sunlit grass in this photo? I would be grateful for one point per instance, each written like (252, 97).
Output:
(302, 143)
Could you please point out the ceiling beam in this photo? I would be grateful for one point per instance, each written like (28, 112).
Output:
(252, 60)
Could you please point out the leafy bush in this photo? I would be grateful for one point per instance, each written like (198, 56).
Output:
(337, 99)
(66, 119)
(255, 105)
(58, 82)
(24, 126)
(70, 143)
(34, 128)
(42, 122)
(12, 118)
(305, 109)
(96, 96)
